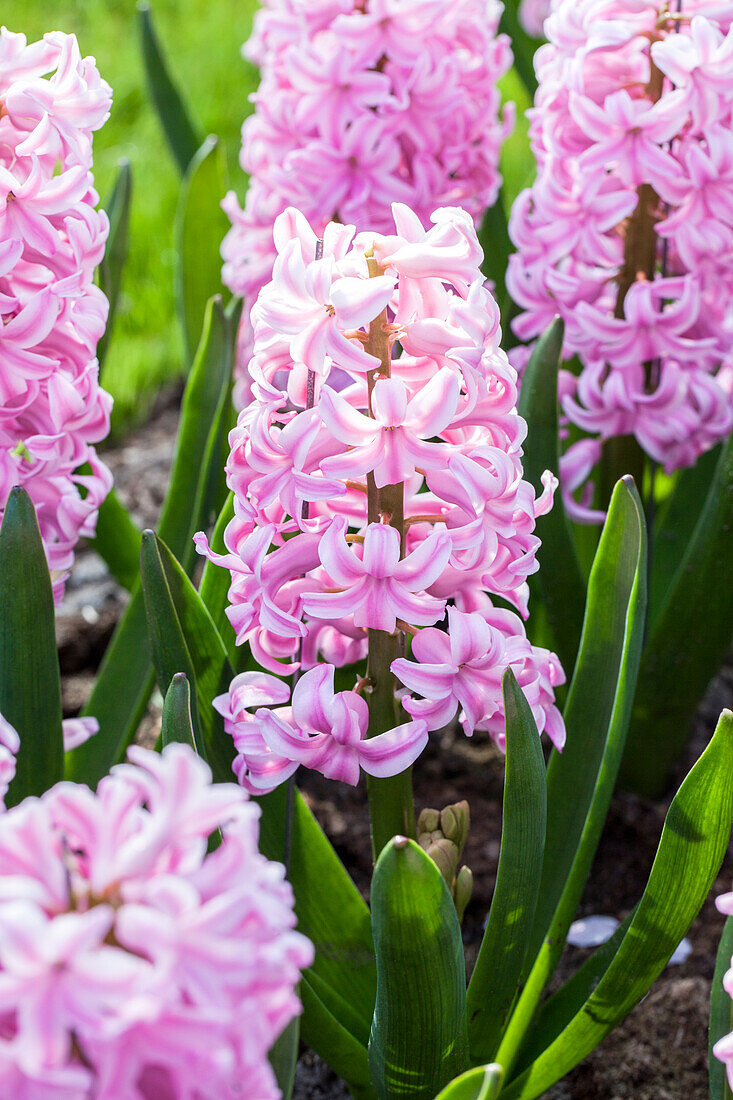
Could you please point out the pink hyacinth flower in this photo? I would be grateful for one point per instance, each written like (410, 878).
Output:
(328, 732)
(379, 588)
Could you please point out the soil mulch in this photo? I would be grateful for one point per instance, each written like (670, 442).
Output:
(660, 1051)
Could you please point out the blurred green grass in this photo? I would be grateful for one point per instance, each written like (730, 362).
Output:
(202, 40)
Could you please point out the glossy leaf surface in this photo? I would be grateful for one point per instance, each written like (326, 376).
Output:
(501, 962)
(30, 687)
(181, 133)
(418, 1040)
(694, 840)
(559, 584)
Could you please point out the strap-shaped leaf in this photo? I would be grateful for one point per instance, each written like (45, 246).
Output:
(559, 584)
(117, 541)
(176, 723)
(694, 840)
(580, 780)
(688, 642)
(215, 582)
(329, 908)
(559, 1009)
(500, 967)
(677, 517)
(494, 240)
(201, 225)
(126, 676)
(283, 1057)
(482, 1083)
(115, 253)
(418, 1040)
(181, 133)
(189, 504)
(183, 638)
(523, 46)
(324, 1033)
(30, 687)
(721, 1015)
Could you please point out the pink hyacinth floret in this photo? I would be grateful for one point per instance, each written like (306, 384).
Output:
(627, 232)
(361, 105)
(52, 237)
(329, 426)
(134, 963)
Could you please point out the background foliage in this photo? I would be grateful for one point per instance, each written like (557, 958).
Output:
(202, 40)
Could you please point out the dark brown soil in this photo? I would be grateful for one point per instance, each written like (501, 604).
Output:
(660, 1051)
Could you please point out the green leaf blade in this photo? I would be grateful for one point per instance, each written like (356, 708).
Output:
(694, 840)
(482, 1083)
(115, 253)
(117, 541)
(502, 958)
(30, 686)
(181, 133)
(176, 723)
(581, 779)
(418, 1040)
(721, 1014)
(688, 641)
(559, 584)
(200, 227)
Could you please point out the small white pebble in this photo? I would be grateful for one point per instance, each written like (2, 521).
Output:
(89, 614)
(592, 931)
(682, 952)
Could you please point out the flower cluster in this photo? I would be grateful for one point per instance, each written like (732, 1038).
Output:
(51, 314)
(377, 475)
(134, 965)
(627, 232)
(362, 104)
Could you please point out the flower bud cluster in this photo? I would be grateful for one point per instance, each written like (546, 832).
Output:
(51, 314)
(362, 104)
(135, 964)
(372, 489)
(627, 232)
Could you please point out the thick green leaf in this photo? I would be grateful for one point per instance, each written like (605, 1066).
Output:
(580, 780)
(119, 697)
(523, 46)
(494, 240)
(284, 1057)
(482, 1083)
(200, 228)
(418, 1040)
(502, 960)
(559, 584)
(126, 676)
(30, 687)
(183, 638)
(115, 253)
(189, 505)
(688, 642)
(324, 1033)
(215, 582)
(177, 724)
(117, 541)
(330, 910)
(675, 523)
(721, 1015)
(181, 133)
(559, 1009)
(691, 850)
